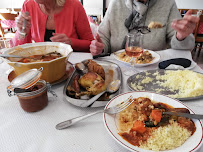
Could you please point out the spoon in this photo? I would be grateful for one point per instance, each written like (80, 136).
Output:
(111, 88)
(22, 32)
(14, 56)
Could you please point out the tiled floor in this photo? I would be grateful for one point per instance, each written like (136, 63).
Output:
(198, 57)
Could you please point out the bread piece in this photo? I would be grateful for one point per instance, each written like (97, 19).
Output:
(155, 25)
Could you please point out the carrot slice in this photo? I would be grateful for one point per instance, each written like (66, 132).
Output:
(25, 61)
(156, 115)
(139, 126)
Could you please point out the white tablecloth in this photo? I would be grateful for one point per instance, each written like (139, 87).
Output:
(35, 132)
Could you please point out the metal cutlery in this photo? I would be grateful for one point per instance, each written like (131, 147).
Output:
(22, 33)
(187, 115)
(111, 88)
(112, 110)
(13, 56)
(101, 55)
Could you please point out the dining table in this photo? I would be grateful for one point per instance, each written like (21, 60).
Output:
(22, 131)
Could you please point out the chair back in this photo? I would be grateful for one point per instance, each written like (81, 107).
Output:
(7, 16)
(1, 30)
(183, 11)
(7, 19)
(198, 26)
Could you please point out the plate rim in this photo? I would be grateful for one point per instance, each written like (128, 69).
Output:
(200, 143)
(138, 65)
(182, 99)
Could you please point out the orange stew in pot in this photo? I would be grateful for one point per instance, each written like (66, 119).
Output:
(41, 58)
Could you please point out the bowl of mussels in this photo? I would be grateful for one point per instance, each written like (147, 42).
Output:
(93, 83)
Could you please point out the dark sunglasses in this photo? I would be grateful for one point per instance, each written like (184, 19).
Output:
(141, 29)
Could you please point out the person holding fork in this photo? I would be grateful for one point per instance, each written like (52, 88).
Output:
(55, 20)
(133, 16)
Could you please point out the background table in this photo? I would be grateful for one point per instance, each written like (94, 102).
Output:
(35, 132)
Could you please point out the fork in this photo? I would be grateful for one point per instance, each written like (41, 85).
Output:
(22, 33)
(112, 110)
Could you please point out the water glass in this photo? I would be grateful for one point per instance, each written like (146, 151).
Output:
(4, 44)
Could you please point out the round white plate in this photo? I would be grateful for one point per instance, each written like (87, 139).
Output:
(111, 122)
(154, 54)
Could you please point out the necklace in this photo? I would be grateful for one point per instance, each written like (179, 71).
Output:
(49, 17)
(49, 14)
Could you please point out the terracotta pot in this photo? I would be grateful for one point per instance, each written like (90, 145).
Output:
(52, 70)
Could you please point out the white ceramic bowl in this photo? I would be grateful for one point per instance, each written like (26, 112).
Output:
(111, 122)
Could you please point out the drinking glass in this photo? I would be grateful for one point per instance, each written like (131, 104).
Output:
(133, 49)
(4, 44)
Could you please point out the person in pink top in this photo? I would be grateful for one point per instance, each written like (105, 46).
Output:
(57, 21)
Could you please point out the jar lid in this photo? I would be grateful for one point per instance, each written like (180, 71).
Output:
(27, 79)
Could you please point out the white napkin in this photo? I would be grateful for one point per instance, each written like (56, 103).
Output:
(174, 66)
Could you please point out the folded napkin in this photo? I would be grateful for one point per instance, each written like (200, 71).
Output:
(176, 63)
(173, 66)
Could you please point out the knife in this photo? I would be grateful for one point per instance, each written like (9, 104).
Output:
(10, 56)
(101, 55)
(187, 115)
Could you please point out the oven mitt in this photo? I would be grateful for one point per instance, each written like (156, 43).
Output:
(177, 63)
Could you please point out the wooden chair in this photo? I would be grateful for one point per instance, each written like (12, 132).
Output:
(183, 11)
(8, 17)
(18, 10)
(2, 34)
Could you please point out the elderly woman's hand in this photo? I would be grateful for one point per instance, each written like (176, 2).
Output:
(96, 46)
(19, 22)
(185, 26)
(60, 37)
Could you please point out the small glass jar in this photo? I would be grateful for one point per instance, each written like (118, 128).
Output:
(36, 99)
(30, 90)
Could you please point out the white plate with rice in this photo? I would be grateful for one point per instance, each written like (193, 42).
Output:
(192, 144)
(127, 59)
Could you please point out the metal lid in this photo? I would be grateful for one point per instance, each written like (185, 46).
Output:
(27, 79)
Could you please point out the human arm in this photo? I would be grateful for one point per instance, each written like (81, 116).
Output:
(96, 46)
(185, 26)
(61, 37)
(19, 22)
(187, 43)
(104, 29)
(83, 31)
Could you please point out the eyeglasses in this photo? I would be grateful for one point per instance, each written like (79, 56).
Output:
(141, 29)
